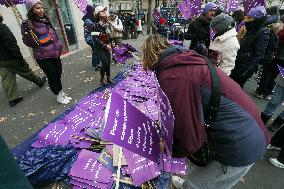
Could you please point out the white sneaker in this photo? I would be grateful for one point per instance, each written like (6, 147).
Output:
(177, 182)
(270, 147)
(65, 95)
(62, 99)
(276, 163)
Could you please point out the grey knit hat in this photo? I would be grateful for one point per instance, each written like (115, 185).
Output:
(222, 22)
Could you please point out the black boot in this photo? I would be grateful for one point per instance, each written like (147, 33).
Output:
(42, 81)
(276, 124)
(265, 117)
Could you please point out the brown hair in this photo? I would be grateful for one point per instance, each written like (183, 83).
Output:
(152, 47)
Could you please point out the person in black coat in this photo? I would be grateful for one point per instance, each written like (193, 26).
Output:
(252, 47)
(12, 63)
(199, 30)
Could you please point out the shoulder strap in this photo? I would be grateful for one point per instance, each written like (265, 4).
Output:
(213, 105)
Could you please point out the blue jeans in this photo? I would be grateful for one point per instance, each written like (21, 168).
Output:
(213, 176)
(95, 61)
(275, 102)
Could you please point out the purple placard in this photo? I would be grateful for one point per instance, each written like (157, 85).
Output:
(281, 70)
(16, 2)
(81, 4)
(78, 119)
(249, 4)
(183, 9)
(140, 169)
(87, 167)
(55, 134)
(166, 118)
(127, 127)
(173, 165)
(234, 5)
(176, 42)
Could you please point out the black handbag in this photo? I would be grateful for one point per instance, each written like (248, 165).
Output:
(206, 154)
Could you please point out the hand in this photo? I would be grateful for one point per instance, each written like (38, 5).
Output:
(26, 25)
(163, 147)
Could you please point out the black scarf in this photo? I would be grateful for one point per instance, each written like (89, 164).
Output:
(255, 24)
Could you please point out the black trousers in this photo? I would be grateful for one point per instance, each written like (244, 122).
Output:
(278, 140)
(105, 57)
(52, 67)
(266, 83)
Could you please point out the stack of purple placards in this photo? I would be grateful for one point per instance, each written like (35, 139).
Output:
(125, 115)
(123, 52)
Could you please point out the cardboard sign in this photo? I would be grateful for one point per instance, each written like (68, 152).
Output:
(129, 128)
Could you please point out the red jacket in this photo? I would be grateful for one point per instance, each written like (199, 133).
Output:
(239, 135)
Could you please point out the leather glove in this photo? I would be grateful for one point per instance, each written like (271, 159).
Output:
(26, 26)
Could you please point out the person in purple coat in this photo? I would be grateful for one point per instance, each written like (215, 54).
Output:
(39, 34)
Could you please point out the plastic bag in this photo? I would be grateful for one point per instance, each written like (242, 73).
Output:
(47, 165)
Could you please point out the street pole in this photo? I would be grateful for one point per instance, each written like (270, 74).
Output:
(149, 17)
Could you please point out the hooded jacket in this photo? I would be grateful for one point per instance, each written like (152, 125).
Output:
(116, 28)
(40, 28)
(240, 137)
(227, 46)
(252, 49)
(198, 31)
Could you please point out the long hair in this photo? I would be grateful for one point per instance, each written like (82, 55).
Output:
(152, 47)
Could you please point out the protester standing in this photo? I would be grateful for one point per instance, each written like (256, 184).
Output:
(225, 42)
(46, 47)
(12, 63)
(89, 19)
(186, 80)
(116, 28)
(102, 43)
(252, 47)
(199, 30)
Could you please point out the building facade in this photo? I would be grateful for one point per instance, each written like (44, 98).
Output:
(65, 17)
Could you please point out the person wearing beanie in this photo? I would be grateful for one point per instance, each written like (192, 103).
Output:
(225, 42)
(89, 22)
(102, 43)
(39, 34)
(12, 63)
(252, 47)
(199, 30)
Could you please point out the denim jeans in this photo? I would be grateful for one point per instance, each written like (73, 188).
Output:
(275, 102)
(95, 61)
(214, 175)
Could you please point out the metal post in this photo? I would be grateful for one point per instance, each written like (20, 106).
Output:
(149, 17)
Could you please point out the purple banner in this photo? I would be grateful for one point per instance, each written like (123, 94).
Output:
(174, 165)
(141, 169)
(184, 10)
(249, 4)
(195, 7)
(156, 15)
(81, 4)
(127, 127)
(16, 2)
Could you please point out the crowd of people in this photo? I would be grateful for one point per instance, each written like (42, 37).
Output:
(102, 33)
(239, 45)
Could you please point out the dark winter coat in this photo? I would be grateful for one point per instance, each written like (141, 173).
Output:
(198, 31)
(240, 137)
(41, 28)
(252, 49)
(9, 49)
(101, 38)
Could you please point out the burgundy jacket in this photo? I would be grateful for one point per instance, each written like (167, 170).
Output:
(41, 28)
(240, 137)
